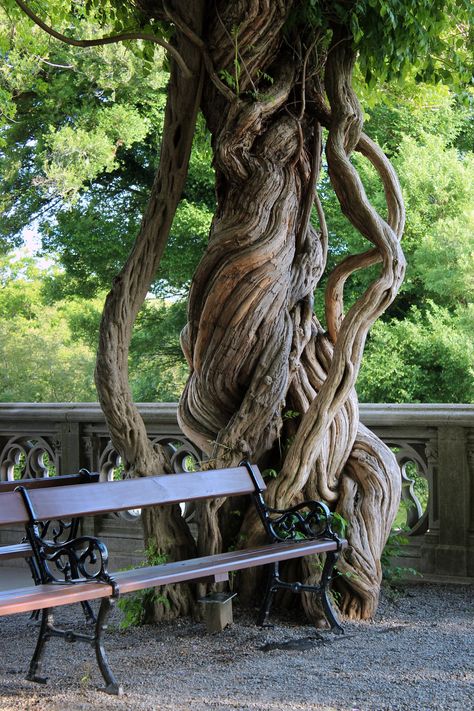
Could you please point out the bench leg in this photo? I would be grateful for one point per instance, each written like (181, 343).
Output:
(272, 586)
(48, 630)
(275, 583)
(111, 684)
(88, 612)
(331, 616)
(37, 658)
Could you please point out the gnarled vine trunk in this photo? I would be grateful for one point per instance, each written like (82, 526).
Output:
(267, 380)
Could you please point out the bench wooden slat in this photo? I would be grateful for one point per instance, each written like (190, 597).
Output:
(12, 509)
(209, 566)
(40, 596)
(90, 499)
(16, 550)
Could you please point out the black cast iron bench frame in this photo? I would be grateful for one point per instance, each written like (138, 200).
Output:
(56, 530)
(77, 570)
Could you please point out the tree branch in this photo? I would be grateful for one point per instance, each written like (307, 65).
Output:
(196, 40)
(123, 37)
(129, 288)
(52, 64)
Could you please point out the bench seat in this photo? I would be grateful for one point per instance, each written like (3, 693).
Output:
(215, 567)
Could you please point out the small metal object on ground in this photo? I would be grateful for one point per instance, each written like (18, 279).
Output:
(217, 609)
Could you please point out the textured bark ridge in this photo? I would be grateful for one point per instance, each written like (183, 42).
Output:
(267, 380)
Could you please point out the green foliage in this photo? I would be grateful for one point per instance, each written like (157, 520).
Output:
(89, 244)
(291, 522)
(290, 415)
(270, 473)
(82, 118)
(41, 361)
(158, 370)
(393, 37)
(75, 156)
(48, 343)
(426, 357)
(439, 189)
(81, 153)
(185, 246)
(136, 607)
(392, 571)
(444, 260)
(421, 351)
(438, 182)
(339, 524)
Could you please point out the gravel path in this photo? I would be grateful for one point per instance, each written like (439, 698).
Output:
(417, 655)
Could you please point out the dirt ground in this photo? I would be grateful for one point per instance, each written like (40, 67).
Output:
(417, 655)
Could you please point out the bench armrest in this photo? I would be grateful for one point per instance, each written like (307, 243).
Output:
(82, 558)
(306, 520)
(73, 559)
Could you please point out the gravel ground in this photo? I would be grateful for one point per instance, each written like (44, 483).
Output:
(417, 655)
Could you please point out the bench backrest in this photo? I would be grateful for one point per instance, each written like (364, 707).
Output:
(91, 499)
(84, 477)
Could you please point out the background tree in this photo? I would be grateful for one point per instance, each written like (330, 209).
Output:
(41, 361)
(275, 75)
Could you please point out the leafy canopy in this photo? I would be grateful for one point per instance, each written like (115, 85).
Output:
(79, 139)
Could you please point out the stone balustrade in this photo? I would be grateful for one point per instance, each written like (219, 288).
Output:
(434, 445)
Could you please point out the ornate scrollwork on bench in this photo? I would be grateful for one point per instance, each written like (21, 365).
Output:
(306, 520)
(309, 519)
(80, 559)
(58, 531)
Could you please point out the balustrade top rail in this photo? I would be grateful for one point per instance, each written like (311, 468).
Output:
(372, 414)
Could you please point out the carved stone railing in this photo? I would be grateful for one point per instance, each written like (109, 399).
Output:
(434, 445)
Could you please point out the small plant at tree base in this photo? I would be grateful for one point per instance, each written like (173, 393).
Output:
(270, 473)
(86, 676)
(135, 607)
(290, 414)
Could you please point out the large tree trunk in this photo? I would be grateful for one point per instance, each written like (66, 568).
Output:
(254, 346)
(267, 381)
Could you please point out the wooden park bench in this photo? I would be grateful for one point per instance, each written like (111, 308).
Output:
(77, 570)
